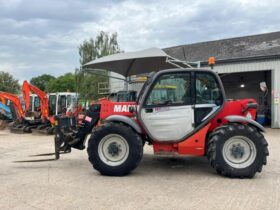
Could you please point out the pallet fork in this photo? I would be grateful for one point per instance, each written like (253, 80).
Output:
(70, 134)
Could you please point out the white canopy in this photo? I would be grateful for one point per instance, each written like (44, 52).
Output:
(133, 63)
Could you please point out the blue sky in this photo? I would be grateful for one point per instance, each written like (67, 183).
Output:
(42, 36)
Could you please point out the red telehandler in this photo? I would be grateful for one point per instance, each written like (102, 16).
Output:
(197, 120)
(192, 117)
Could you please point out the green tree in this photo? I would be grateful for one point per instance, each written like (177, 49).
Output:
(42, 81)
(8, 83)
(104, 44)
(64, 83)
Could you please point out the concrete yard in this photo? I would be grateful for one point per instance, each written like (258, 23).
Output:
(158, 183)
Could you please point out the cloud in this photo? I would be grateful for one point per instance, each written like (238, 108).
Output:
(167, 23)
(43, 36)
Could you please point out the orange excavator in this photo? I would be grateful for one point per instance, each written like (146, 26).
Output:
(47, 121)
(20, 124)
(39, 120)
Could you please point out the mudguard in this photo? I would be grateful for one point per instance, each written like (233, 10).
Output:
(241, 119)
(125, 120)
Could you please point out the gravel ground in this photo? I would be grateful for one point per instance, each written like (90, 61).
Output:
(158, 183)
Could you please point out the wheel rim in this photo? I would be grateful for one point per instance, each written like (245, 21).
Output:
(239, 152)
(113, 149)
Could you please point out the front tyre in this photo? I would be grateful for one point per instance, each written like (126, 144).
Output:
(237, 150)
(115, 149)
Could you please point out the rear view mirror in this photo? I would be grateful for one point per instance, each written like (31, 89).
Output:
(263, 86)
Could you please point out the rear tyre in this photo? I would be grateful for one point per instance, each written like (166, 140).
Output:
(115, 149)
(237, 150)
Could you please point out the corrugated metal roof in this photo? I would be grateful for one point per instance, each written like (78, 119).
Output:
(233, 48)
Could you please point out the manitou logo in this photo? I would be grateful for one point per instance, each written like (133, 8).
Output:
(122, 108)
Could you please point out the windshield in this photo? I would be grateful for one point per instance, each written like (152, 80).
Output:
(171, 89)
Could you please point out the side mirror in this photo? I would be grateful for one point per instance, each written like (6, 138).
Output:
(263, 87)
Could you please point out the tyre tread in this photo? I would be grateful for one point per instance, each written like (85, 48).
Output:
(126, 167)
(218, 135)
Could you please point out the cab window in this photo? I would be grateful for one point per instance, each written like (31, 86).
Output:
(36, 103)
(61, 104)
(31, 101)
(52, 104)
(68, 100)
(170, 89)
(207, 89)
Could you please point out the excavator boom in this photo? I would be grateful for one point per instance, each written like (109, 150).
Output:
(26, 89)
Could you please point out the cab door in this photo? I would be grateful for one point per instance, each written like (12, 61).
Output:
(62, 106)
(180, 103)
(209, 97)
(37, 103)
(167, 112)
(52, 105)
